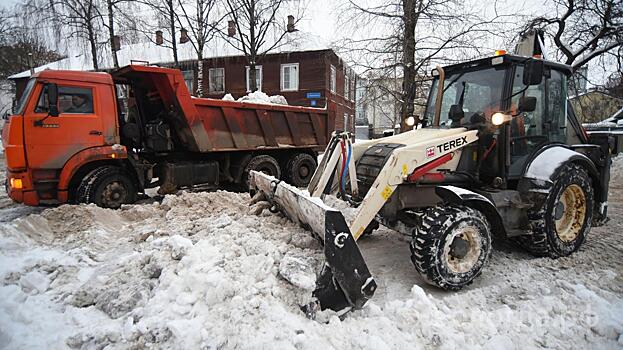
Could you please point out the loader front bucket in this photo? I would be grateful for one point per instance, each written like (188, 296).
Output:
(345, 280)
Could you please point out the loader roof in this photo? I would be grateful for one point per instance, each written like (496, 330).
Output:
(506, 59)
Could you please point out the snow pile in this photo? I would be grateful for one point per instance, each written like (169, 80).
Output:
(196, 271)
(259, 97)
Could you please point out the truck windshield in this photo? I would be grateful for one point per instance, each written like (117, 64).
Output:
(476, 92)
(21, 104)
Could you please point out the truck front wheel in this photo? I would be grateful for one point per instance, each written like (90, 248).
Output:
(451, 246)
(107, 187)
(300, 169)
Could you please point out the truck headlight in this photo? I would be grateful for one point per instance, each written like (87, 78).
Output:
(16, 183)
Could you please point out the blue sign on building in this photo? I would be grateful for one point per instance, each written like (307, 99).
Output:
(313, 95)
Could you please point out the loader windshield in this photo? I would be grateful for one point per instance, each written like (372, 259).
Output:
(473, 92)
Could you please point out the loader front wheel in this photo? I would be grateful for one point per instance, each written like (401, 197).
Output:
(451, 246)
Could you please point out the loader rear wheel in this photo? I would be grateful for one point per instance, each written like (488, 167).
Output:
(451, 246)
(300, 169)
(107, 187)
(560, 222)
(262, 163)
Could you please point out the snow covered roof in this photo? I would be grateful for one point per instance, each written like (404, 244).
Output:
(219, 47)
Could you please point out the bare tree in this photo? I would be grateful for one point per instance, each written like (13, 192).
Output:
(404, 38)
(81, 18)
(583, 30)
(111, 8)
(166, 19)
(259, 29)
(201, 25)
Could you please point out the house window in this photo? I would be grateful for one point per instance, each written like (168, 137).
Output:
(333, 79)
(189, 80)
(346, 87)
(217, 79)
(290, 77)
(346, 122)
(258, 78)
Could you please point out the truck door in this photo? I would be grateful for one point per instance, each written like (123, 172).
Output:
(51, 141)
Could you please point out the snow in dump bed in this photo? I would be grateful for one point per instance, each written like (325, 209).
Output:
(259, 97)
(197, 271)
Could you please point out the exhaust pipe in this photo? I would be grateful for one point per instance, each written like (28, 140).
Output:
(345, 281)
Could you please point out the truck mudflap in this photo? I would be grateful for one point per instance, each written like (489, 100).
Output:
(344, 281)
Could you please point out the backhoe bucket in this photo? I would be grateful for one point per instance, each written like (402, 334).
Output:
(345, 280)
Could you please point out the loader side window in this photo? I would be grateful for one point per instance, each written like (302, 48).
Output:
(556, 100)
(527, 128)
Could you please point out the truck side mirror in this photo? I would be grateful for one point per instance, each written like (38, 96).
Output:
(533, 72)
(526, 104)
(52, 90)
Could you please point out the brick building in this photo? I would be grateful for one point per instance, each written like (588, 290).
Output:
(305, 70)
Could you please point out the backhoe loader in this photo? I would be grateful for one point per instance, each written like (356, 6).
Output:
(499, 153)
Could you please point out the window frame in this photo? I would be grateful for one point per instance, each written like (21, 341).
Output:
(261, 71)
(282, 76)
(210, 70)
(192, 88)
(346, 87)
(333, 79)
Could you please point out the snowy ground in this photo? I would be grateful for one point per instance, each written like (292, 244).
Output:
(197, 271)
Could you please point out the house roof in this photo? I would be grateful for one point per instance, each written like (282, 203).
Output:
(298, 41)
(592, 92)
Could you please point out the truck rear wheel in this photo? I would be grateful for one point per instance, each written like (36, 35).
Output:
(300, 169)
(560, 223)
(108, 187)
(262, 163)
(451, 246)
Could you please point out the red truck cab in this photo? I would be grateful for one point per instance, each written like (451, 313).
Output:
(68, 141)
(38, 146)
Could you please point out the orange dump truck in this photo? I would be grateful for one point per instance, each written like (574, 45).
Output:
(71, 139)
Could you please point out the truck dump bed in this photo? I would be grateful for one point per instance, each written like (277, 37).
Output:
(210, 125)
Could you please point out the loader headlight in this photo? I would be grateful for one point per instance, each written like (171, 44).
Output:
(410, 121)
(500, 118)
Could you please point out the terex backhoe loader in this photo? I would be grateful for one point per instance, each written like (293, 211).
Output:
(499, 152)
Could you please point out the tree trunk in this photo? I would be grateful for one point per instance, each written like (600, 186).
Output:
(252, 76)
(408, 62)
(93, 43)
(200, 75)
(173, 41)
(111, 33)
(252, 48)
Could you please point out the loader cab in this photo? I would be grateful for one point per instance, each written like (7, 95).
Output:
(531, 95)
